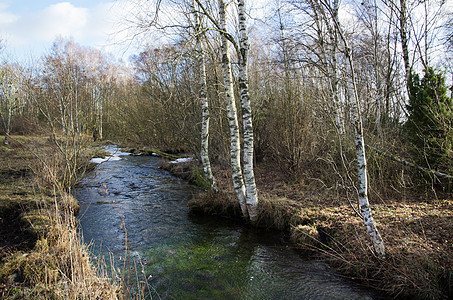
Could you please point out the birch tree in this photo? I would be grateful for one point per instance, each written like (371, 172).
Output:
(228, 89)
(200, 49)
(364, 204)
(318, 46)
(249, 176)
(9, 96)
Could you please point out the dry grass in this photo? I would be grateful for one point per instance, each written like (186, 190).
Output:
(55, 263)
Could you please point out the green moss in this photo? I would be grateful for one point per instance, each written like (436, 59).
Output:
(102, 202)
(200, 270)
(161, 154)
(200, 179)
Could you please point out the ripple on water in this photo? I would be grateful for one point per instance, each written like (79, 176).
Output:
(188, 257)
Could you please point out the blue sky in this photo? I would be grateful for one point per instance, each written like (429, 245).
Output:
(28, 27)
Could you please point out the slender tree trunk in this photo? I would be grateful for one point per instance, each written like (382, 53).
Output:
(101, 115)
(404, 41)
(334, 76)
(249, 176)
(204, 102)
(62, 114)
(235, 145)
(7, 124)
(364, 204)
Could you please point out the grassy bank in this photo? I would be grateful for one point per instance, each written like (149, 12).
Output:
(41, 254)
(418, 231)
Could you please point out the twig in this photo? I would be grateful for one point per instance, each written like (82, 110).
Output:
(411, 164)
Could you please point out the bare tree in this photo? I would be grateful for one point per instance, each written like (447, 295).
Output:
(249, 177)
(364, 204)
(199, 33)
(235, 143)
(11, 97)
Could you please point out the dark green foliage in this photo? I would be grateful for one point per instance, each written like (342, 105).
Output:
(429, 125)
(200, 179)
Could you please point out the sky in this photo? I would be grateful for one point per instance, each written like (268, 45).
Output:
(29, 27)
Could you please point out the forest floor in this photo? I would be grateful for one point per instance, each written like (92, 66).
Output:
(417, 231)
(41, 255)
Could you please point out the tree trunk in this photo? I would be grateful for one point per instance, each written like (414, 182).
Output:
(235, 146)
(404, 41)
(205, 104)
(334, 76)
(364, 204)
(249, 176)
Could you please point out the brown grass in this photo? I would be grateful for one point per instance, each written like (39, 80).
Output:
(55, 264)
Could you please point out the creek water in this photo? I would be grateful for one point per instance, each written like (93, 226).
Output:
(129, 200)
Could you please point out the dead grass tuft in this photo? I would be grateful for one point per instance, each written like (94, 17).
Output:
(58, 266)
(212, 203)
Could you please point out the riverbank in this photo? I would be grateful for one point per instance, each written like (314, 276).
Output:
(418, 232)
(41, 254)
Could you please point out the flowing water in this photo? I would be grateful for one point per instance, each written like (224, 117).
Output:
(130, 200)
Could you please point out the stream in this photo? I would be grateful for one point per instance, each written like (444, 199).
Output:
(129, 200)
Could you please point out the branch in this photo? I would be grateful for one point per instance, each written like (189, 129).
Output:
(408, 163)
(228, 36)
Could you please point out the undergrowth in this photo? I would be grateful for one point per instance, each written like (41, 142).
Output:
(58, 266)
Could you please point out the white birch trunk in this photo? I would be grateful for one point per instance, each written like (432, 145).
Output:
(205, 105)
(7, 123)
(9, 97)
(235, 146)
(335, 91)
(364, 204)
(249, 176)
(101, 115)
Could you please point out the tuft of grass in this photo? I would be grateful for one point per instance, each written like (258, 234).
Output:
(199, 178)
(215, 203)
(55, 264)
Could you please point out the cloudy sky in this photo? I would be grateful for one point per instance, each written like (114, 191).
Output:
(28, 27)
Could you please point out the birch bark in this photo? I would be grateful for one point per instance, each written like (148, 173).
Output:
(364, 204)
(235, 146)
(8, 97)
(404, 41)
(204, 103)
(334, 81)
(249, 176)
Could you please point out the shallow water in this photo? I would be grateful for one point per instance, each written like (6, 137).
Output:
(132, 201)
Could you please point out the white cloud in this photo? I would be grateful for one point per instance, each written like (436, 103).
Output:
(5, 16)
(101, 26)
(59, 19)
